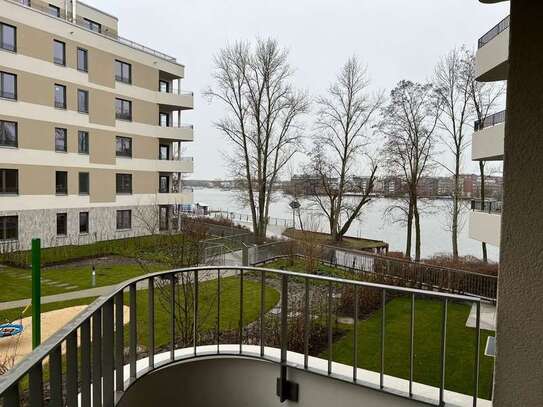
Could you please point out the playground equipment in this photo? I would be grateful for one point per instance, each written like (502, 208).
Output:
(13, 329)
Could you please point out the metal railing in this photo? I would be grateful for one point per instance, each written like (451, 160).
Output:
(176, 91)
(94, 358)
(243, 217)
(486, 206)
(490, 121)
(144, 48)
(494, 31)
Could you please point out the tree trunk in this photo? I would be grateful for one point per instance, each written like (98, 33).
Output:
(417, 229)
(482, 170)
(456, 199)
(409, 230)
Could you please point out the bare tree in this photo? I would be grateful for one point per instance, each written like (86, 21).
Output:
(485, 97)
(408, 124)
(263, 119)
(340, 143)
(454, 93)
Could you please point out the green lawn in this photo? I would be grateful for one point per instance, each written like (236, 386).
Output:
(460, 345)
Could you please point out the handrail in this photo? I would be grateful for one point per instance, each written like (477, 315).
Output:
(494, 32)
(489, 121)
(106, 331)
(487, 206)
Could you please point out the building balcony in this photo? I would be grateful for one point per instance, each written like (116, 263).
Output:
(183, 165)
(185, 196)
(176, 99)
(250, 362)
(488, 138)
(485, 221)
(492, 59)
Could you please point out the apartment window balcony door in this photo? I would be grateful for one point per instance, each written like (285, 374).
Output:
(164, 217)
(164, 184)
(164, 120)
(164, 152)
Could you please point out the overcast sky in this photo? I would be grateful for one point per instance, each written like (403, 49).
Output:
(396, 39)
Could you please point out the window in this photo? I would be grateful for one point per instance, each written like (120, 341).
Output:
(92, 25)
(164, 86)
(59, 52)
(164, 184)
(82, 60)
(9, 227)
(54, 11)
(25, 3)
(124, 219)
(8, 37)
(61, 140)
(8, 85)
(62, 224)
(124, 183)
(83, 222)
(60, 96)
(61, 179)
(83, 183)
(123, 72)
(8, 134)
(164, 152)
(83, 142)
(9, 182)
(123, 109)
(82, 101)
(164, 217)
(124, 146)
(164, 120)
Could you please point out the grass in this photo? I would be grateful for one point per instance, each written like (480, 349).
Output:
(459, 351)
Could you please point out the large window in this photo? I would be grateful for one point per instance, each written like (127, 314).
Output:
(164, 184)
(164, 119)
(59, 52)
(8, 134)
(9, 227)
(9, 182)
(62, 224)
(124, 183)
(8, 85)
(82, 60)
(164, 217)
(83, 142)
(92, 25)
(8, 37)
(123, 146)
(61, 140)
(61, 180)
(164, 86)
(82, 101)
(54, 10)
(124, 219)
(123, 109)
(123, 72)
(83, 222)
(164, 152)
(60, 96)
(83, 183)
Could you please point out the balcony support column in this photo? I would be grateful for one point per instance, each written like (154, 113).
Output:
(519, 371)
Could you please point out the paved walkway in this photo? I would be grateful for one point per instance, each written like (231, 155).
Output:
(488, 317)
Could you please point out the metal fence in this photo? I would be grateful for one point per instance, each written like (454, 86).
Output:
(486, 206)
(243, 217)
(494, 31)
(491, 120)
(86, 359)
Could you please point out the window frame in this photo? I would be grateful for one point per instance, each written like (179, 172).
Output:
(167, 148)
(84, 52)
(64, 216)
(63, 104)
(52, 8)
(121, 77)
(55, 60)
(57, 191)
(64, 131)
(85, 109)
(87, 175)
(2, 95)
(168, 121)
(160, 189)
(89, 24)
(3, 228)
(16, 126)
(4, 190)
(14, 49)
(86, 134)
(122, 152)
(85, 230)
(168, 88)
(120, 115)
(120, 219)
(120, 184)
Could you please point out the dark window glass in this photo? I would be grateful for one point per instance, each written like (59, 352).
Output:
(82, 101)
(92, 25)
(9, 227)
(124, 183)
(62, 224)
(61, 140)
(83, 222)
(25, 2)
(8, 134)
(60, 96)
(83, 142)
(164, 120)
(123, 72)
(8, 37)
(59, 52)
(164, 217)
(124, 146)
(9, 181)
(164, 152)
(164, 86)
(82, 60)
(123, 109)
(8, 85)
(124, 219)
(83, 183)
(61, 180)
(164, 184)
(54, 10)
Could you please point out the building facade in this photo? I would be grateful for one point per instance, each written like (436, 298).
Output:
(91, 137)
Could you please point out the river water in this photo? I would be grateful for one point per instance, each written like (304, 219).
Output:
(373, 224)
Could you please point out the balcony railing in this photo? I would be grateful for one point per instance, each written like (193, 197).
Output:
(175, 91)
(491, 120)
(93, 365)
(486, 206)
(494, 32)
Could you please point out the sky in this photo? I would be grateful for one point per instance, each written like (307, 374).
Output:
(396, 39)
